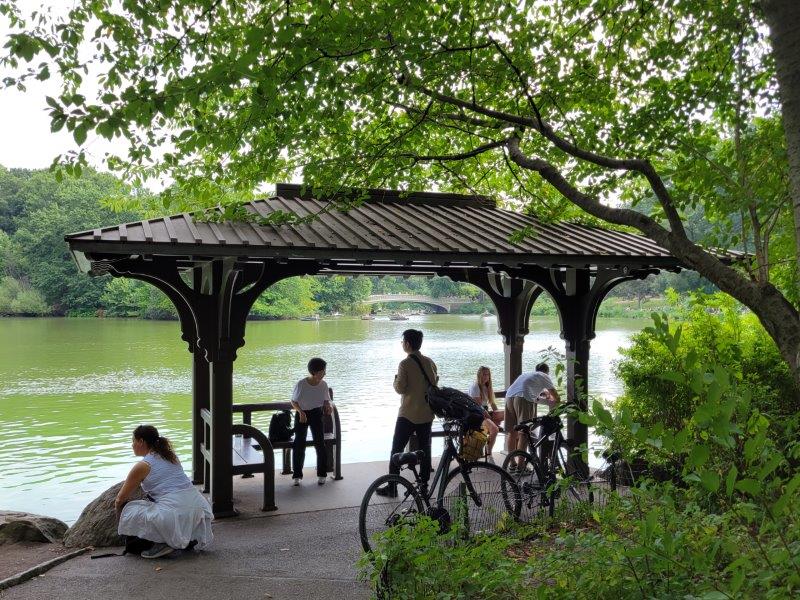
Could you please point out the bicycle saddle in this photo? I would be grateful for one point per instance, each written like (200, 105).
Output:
(407, 458)
(549, 424)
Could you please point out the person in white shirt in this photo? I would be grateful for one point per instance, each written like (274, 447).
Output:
(481, 391)
(175, 515)
(310, 398)
(522, 397)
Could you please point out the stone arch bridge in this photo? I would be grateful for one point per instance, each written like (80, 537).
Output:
(443, 304)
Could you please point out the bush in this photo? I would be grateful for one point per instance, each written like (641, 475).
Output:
(18, 298)
(417, 563)
(713, 331)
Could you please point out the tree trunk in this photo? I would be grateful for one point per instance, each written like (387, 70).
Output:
(783, 17)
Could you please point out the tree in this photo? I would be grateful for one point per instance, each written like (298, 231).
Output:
(44, 210)
(339, 293)
(291, 297)
(557, 104)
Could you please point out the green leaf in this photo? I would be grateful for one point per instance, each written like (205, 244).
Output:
(57, 124)
(771, 465)
(79, 134)
(788, 493)
(602, 414)
(698, 456)
(710, 480)
(730, 480)
(673, 376)
(748, 486)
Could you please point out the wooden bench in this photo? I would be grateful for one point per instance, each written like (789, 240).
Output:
(253, 452)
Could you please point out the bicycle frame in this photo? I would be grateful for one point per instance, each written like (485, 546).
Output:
(449, 455)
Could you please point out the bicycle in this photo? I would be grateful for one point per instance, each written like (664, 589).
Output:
(480, 496)
(542, 480)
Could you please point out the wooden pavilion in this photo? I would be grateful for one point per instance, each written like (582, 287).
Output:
(214, 271)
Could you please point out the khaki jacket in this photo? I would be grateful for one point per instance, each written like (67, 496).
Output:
(410, 383)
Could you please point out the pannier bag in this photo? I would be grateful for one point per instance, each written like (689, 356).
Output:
(473, 444)
(280, 427)
(450, 403)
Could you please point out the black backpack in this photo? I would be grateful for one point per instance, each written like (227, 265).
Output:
(280, 427)
(450, 403)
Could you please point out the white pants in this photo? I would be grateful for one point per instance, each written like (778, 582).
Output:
(175, 519)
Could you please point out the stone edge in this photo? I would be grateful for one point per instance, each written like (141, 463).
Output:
(39, 569)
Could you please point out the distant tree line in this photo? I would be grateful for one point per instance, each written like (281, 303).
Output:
(39, 277)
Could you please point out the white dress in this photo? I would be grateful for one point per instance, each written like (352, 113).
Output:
(178, 513)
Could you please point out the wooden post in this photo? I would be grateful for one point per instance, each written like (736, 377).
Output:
(201, 398)
(577, 308)
(513, 356)
(221, 423)
(513, 299)
(578, 387)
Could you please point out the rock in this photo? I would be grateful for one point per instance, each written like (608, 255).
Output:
(27, 527)
(97, 525)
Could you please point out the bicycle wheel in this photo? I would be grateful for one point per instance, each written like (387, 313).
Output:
(482, 497)
(526, 471)
(571, 482)
(379, 513)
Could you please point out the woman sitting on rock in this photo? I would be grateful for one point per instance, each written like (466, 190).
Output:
(175, 516)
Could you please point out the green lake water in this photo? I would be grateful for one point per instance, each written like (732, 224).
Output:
(71, 390)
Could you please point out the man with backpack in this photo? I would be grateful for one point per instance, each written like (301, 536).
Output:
(414, 416)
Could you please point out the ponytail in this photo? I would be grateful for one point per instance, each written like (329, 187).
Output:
(156, 443)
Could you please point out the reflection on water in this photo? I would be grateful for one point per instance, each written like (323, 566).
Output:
(71, 391)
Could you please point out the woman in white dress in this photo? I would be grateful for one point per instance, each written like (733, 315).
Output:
(176, 516)
(481, 391)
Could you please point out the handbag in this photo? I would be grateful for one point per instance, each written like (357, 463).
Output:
(473, 444)
(280, 427)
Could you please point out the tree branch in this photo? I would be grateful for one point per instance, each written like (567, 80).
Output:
(454, 157)
(641, 166)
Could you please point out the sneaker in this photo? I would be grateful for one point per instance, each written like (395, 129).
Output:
(321, 480)
(296, 481)
(388, 490)
(157, 551)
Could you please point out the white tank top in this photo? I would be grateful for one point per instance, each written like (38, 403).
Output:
(164, 477)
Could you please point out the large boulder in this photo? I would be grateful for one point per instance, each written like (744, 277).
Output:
(26, 527)
(97, 525)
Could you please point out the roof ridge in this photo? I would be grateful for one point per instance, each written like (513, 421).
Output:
(387, 196)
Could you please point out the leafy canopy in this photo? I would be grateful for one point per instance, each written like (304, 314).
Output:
(223, 96)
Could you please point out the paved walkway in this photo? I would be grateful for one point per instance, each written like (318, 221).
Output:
(295, 556)
(307, 549)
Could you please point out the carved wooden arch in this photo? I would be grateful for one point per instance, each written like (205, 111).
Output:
(162, 274)
(578, 302)
(246, 289)
(512, 298)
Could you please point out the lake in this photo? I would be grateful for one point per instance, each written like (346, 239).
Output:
(72, 390)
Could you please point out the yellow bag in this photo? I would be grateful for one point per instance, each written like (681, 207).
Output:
(473, 444)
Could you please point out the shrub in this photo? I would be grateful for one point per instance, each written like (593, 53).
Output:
(17, 298)
(713, 331)
(417, 563)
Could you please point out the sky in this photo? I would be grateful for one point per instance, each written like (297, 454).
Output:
(25, 137)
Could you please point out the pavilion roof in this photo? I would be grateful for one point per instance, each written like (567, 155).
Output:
(388, 230)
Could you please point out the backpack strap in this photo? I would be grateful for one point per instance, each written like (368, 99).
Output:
(421, 368)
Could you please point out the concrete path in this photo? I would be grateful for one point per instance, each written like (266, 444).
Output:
(297, 556)
(307, 549)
